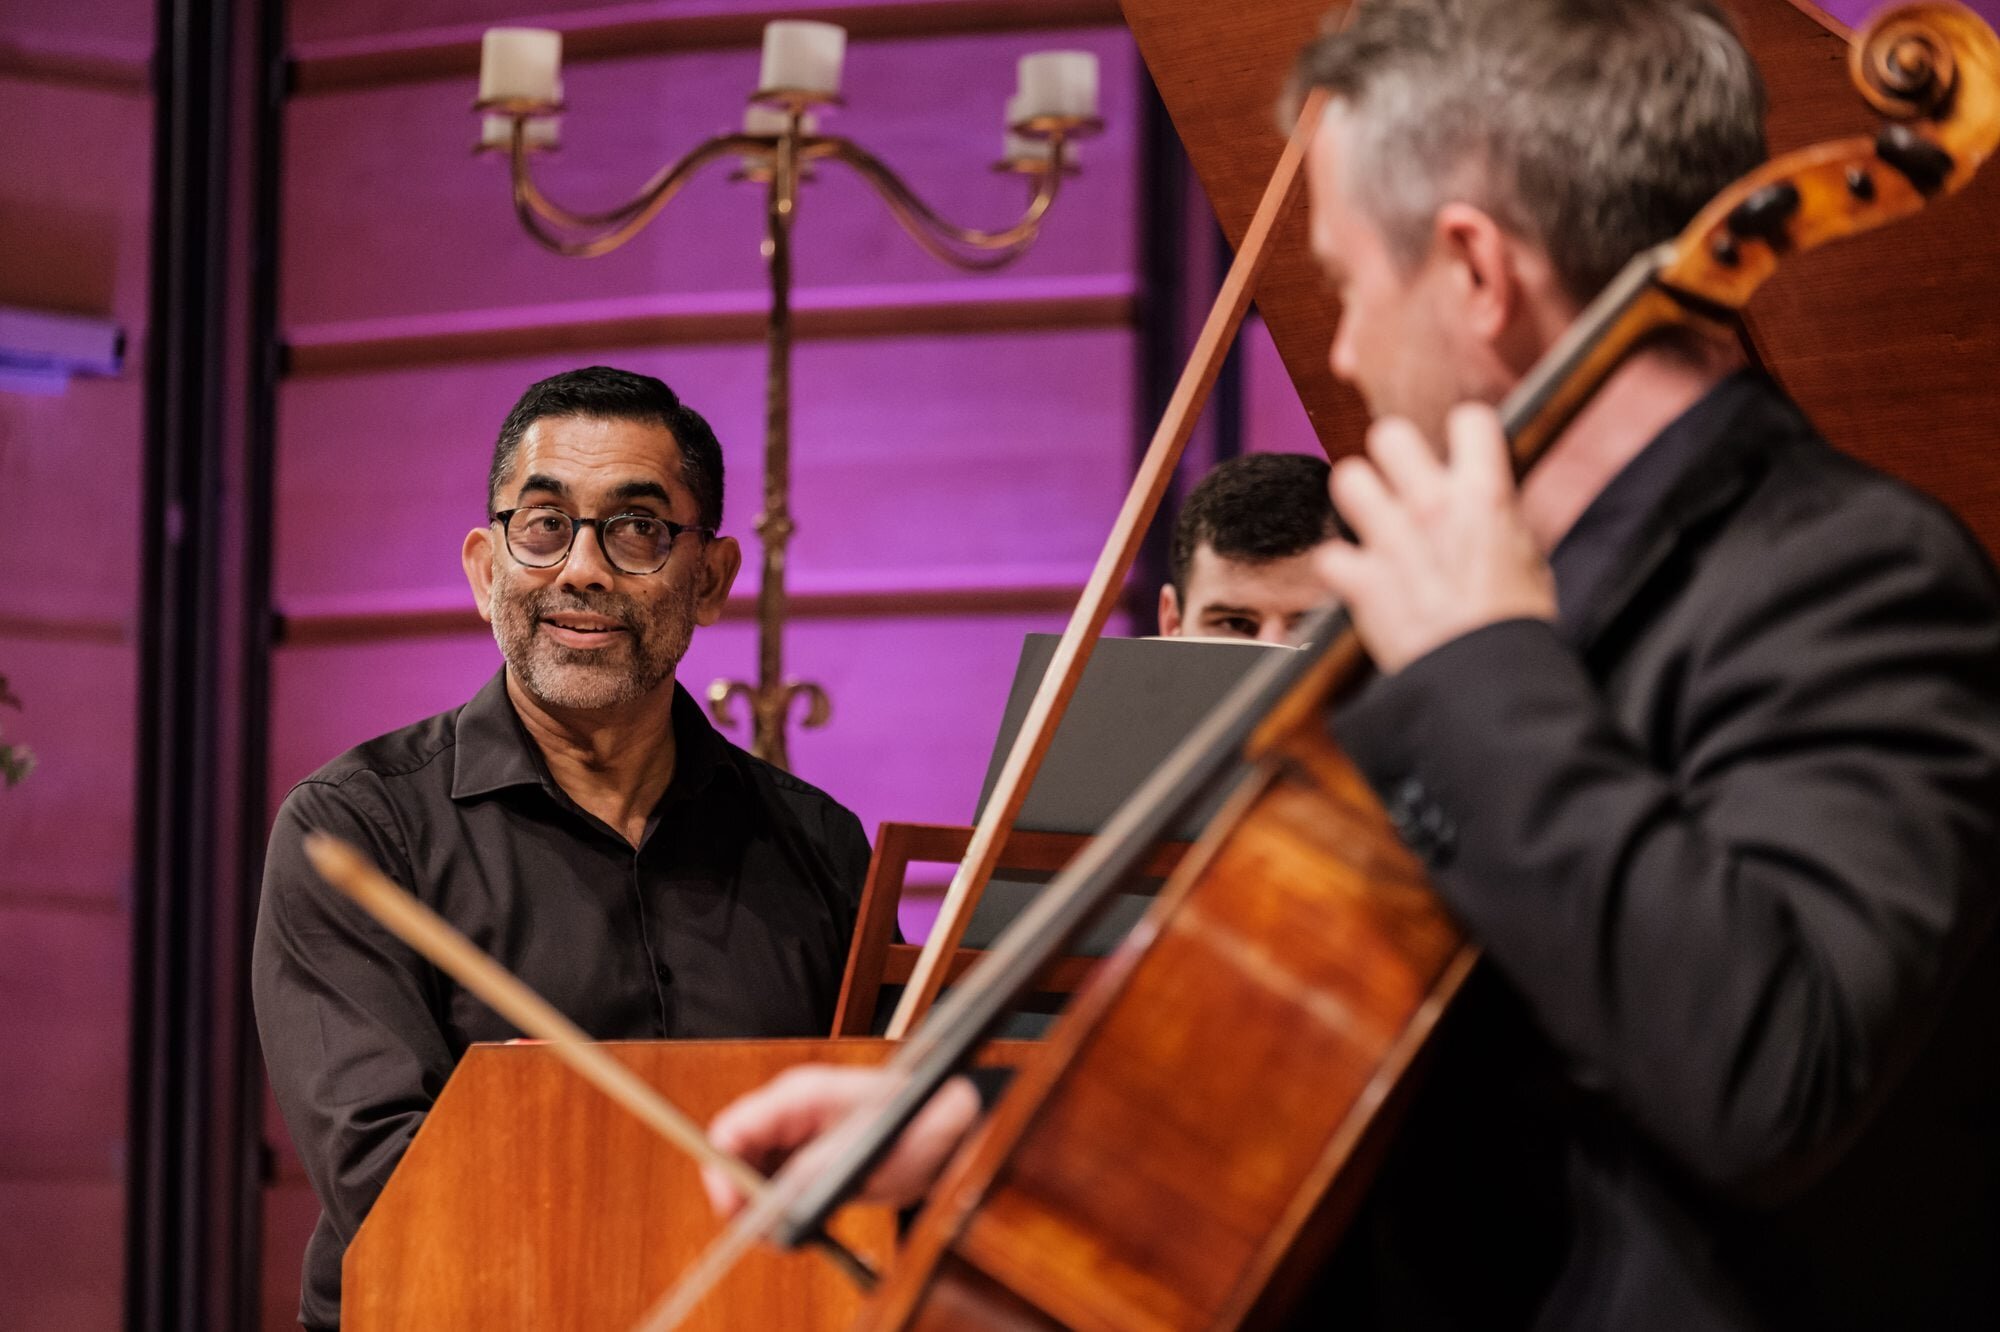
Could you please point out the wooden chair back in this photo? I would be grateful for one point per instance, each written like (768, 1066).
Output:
(878, 961)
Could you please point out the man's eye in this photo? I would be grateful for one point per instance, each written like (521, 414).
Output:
(1236, 624)
(643, 526)
(550, 523)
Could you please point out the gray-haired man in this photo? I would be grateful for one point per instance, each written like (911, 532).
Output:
(1698, 730)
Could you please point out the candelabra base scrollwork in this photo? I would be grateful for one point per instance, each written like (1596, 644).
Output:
(770, 708)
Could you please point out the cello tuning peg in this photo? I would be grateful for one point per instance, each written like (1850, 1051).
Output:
(1925, 164)
(1764, 214)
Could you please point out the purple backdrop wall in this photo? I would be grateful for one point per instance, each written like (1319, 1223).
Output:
(73, 238)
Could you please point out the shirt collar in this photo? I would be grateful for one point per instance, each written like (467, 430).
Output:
(1700, 463)
(494, 750)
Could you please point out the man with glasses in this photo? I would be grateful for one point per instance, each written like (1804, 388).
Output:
(579, 819)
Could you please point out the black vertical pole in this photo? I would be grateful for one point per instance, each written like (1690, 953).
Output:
(1226, 403)
(195, 1108)
(176, 865)
(1162, 212)
(270, 86)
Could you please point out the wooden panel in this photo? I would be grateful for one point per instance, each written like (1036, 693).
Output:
(66, 834)
(1890, 343)
(106, 26)
(530, 1197)
(390, 46)
(388, 213)
(1229, 125)
(74, 206)
(94, 64)
(995, 305)
(85, 553)
(1015, 462)
(62, 1266)
(64, 991)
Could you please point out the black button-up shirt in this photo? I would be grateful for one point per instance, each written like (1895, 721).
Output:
(730, 918)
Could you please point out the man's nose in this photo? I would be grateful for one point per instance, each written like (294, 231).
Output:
(587, 565)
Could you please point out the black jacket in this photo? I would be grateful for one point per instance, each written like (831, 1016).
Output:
(1732, 844)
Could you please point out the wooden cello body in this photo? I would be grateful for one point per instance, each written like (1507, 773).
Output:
(1221, 1082)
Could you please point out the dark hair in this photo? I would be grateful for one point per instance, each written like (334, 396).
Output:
(1593, 128)
(605, 394)
(1262, 506)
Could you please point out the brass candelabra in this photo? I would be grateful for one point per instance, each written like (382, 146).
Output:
(779, 144)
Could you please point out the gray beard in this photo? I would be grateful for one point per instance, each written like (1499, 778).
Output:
(585, 679)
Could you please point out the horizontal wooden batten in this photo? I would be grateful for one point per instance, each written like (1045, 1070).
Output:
(64, 629)
(670, 27)
(993, 305)
(336, 620)
(100, 66)
(42, 901)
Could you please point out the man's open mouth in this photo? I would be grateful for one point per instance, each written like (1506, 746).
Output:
(578, 629)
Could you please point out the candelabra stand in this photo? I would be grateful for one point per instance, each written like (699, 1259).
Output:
(776, 150)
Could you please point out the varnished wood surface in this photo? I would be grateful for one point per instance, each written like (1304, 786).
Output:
(529, 1200)
(1183, 1127)
(1890, 342)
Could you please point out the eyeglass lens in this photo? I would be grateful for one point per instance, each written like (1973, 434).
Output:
(634, 542)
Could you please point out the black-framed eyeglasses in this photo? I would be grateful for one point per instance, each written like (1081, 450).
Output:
(540, 537)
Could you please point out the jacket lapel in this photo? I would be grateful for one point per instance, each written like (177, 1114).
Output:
(1715, 481)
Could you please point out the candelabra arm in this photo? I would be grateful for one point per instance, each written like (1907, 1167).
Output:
(614, 225)
(934, 232)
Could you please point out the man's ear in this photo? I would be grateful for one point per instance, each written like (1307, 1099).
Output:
(720, 559)
(477, 557)
(1486, 288)
(1170, 611)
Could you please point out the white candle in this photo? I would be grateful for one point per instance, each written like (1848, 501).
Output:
(1058, 83)
(803, 56)
(770, 121)
(520, 65)
(498, 132)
